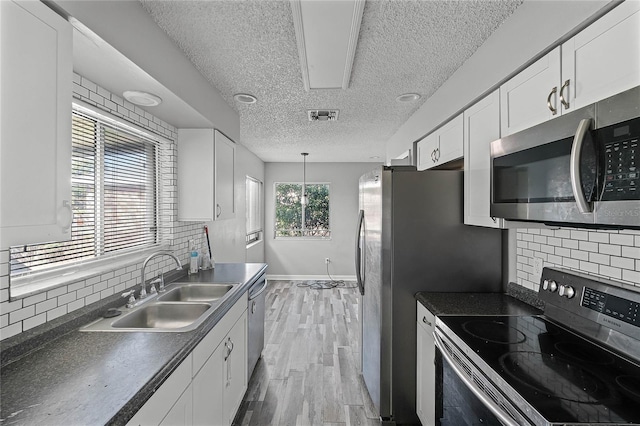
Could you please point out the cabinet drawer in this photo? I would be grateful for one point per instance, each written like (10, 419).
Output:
(205, 348)
(425, 318)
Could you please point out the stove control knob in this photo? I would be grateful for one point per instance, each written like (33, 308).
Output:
(569, 292)
(553, 286)
(561, 290)
(545, 285)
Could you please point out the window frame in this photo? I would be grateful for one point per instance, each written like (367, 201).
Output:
(256, 235)
(297, 238)
(37, 282)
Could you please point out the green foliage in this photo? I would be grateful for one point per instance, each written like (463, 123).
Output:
(289, 211)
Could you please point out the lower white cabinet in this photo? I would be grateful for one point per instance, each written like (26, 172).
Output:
(425, 367)
(208, 386)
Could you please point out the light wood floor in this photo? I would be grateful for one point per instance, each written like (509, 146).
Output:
(308, 373)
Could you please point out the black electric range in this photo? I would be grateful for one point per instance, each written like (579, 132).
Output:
(576, 364)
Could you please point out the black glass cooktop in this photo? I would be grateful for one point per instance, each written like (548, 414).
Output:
(565, 377)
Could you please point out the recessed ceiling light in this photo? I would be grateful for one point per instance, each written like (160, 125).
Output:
(408, 97)
(142, 98)
(245, 98)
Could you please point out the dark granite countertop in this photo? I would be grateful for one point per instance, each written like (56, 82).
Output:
(84, 378)
(475, 304)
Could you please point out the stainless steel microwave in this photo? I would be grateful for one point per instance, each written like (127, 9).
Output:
(581, 168)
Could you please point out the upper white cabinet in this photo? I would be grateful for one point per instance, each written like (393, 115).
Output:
(532, 96)
(481, 127)
(604, 58)
(441, 146)
(598, 62)
(206, 167)
(35, 124)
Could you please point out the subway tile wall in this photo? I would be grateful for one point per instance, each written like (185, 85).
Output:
(24, 314)
(613, 255)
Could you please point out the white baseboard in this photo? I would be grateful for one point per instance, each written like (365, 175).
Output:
(311, 277)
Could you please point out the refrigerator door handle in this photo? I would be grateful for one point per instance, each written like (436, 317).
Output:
(359, 274)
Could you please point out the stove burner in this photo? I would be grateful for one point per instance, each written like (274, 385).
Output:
(554, 376)
(630, 386)
(493, 331)
(584, 353)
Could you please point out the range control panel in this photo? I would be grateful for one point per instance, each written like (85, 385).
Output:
(612, 306)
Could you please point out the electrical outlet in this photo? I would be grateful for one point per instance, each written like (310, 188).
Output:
(537, 267)
(327, 260)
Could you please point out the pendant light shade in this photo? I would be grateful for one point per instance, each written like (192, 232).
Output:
(305, 199)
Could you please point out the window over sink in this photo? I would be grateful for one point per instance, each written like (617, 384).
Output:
(115, 191)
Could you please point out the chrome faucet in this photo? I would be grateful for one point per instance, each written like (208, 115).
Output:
(143, 291)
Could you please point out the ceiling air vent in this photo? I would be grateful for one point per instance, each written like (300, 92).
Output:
(323, 114)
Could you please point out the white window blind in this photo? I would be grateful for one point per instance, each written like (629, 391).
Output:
(254, 209)
(114, 197)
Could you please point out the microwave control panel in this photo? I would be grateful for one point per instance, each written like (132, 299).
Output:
(621, 172)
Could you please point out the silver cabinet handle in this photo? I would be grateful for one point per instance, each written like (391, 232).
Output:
(66, 205)
(426, 321)
(562, 99)
(218, 210)
(574, 170)
(551, 108)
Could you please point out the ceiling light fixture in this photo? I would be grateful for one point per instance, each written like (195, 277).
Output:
(326, 35)
(408, 97)
(142, 98)
(305, 199)
(245, 98)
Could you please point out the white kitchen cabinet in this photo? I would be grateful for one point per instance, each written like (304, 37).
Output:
(532, 96)
(168, 395)
(604, 58)
(220, 369)
(225, 169)
(481, 127)
(441, 146)
(181, 414)
(425, 367)
(206, 167)
(35, 129)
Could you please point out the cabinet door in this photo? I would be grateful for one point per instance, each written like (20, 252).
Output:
(425, 367)
(481, 127)
(225, 169)
(604, 58)
(208, 388)
(181, 414)
(426, 152)
(235, 368)
(450, 140)
(166, 396)
(523, 99)
(195, 175)
(35, 129)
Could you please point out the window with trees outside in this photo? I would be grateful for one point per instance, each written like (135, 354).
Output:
(254, 210)
(293, 219)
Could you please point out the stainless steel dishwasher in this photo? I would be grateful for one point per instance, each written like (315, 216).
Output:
(255, 338)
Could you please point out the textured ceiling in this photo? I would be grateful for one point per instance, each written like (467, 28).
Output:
(250, 47)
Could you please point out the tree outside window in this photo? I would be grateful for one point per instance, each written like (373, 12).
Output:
(295, 220)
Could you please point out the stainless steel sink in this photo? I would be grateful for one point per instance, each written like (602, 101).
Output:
(196, 293)
(167, 316)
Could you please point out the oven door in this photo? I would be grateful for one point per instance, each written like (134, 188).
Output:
(468, 397)
(547, 173)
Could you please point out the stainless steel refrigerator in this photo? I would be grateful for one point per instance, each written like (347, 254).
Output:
(411, 238)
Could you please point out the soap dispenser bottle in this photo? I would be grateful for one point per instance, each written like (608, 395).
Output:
(193, 259)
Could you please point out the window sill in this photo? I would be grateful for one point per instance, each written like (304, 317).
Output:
(29, 285)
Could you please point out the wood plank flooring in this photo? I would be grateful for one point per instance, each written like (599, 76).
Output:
(309, 370)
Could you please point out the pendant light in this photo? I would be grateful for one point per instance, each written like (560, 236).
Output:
(305, 199)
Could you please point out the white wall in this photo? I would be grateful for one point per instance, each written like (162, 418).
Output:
(535, 26)
(305, 258)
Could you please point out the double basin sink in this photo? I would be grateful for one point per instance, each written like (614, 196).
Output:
(183, 307)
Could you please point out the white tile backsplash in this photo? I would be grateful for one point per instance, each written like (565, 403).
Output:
(24, 314)
(602, 253)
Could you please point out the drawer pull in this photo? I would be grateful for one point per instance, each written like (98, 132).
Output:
(424, 320)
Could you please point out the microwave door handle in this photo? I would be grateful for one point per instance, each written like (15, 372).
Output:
(576, 151)
(495, 409)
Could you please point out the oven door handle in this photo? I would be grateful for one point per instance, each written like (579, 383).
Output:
(574, 169)
(504, 418)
